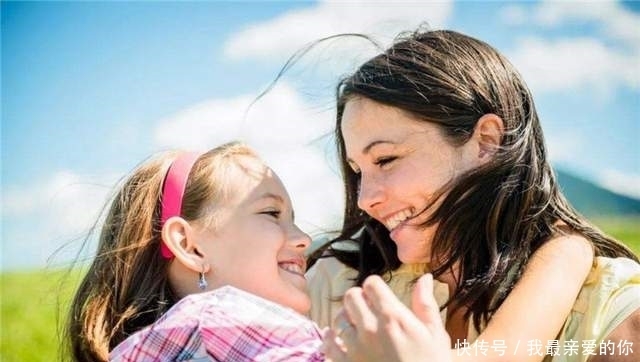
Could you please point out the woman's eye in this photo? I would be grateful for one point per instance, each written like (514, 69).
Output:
(353, 168)
(385, 160)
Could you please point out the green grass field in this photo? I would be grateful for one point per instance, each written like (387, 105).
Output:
(31, 305)
(33, 302)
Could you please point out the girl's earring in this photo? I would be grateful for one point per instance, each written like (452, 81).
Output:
(202, 282)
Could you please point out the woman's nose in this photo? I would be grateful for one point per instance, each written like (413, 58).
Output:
(370, 194)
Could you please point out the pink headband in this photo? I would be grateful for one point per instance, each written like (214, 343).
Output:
(173, 190)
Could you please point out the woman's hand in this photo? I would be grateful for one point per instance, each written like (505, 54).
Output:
(375, 326)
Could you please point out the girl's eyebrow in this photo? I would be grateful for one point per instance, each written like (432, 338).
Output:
(270, 195)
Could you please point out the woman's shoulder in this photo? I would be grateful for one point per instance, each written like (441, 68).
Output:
(565, 238)
(610, 294)
(570, 247)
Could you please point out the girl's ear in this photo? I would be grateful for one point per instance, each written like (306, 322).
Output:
(179, 237)
(488, 133)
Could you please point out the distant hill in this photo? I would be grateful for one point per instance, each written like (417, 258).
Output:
(593, 200)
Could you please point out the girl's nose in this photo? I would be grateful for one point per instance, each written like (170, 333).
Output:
(299, 238)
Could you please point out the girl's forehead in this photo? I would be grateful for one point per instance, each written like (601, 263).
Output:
(251, 165)
(251, 175)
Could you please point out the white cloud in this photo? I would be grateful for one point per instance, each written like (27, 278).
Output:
(72, 201)
(281, 116)
(284, 129)
(610, 17)
(513, 15)
(614, 20)
(621, 182)
(282, 36)
(603, 62)
(60, 209)
(201, 125)
(574, 63)
(563, 146)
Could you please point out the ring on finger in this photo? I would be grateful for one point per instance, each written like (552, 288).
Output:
(342, 326)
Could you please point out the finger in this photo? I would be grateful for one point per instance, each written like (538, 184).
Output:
(384, 303)
(424, 304)
(358, 311)
(340, 322)
(340, 327)
(348, 337)
(332, 350)
(353, 348)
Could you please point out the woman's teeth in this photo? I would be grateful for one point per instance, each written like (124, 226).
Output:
(396, 219)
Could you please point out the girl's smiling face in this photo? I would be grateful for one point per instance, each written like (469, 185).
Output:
(253, 243)
(402, 162)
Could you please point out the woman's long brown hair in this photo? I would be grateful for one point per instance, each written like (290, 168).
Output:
(491, 219)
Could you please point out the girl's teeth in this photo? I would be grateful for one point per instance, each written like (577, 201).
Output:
(291, 267)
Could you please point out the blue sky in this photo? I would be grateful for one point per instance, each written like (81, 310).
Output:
(90, 89)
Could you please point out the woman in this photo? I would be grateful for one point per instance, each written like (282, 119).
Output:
(446, 171)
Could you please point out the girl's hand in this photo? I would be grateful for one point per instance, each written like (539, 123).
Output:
(375, 326)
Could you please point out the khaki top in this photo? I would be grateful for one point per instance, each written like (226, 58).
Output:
(609, 295)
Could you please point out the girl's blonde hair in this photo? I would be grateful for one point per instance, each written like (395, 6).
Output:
(127, 286)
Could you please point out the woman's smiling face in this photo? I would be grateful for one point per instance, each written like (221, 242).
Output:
(402, 163)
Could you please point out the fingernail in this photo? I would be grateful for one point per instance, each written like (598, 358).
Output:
(326, 333)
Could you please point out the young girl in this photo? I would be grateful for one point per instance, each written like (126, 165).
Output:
(198, 257)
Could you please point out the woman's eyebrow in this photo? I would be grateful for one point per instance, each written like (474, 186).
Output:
(371, 145)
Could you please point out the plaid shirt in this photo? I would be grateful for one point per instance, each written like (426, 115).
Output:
(226, 324)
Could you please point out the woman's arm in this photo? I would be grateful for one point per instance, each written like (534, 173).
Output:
(536, 309)
(540, 302)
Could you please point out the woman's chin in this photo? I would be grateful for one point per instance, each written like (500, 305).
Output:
(411, 247)
(413, 257)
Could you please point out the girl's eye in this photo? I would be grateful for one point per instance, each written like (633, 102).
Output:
(385, 160)
(274, 213)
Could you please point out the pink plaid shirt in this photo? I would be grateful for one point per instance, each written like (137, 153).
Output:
(226, 324)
